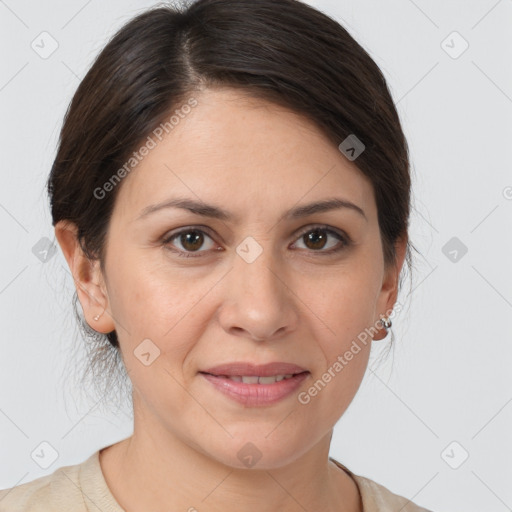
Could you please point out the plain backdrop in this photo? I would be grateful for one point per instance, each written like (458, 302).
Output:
(432, 422)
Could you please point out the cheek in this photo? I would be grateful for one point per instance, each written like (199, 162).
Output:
(153, 300)
(347, 300)
(347, 307)
(346, 355)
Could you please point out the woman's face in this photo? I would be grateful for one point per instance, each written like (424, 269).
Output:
(261, 285)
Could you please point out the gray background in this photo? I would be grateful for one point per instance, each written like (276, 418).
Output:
(444, 394)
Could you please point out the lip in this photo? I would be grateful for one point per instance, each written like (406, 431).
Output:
(260, 370)
(256, 395)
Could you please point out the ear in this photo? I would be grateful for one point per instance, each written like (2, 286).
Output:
(89, 282)
(389, 290)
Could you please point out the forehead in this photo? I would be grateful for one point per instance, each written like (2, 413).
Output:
(245, 154)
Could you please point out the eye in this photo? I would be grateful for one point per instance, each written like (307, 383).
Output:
(316, 239)
(190, 239)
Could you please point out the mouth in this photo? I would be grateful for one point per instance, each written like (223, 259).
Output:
(256, 385)
(255, 379)
(243, 369)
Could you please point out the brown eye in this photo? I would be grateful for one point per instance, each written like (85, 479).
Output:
(317, 240)
(191, 240)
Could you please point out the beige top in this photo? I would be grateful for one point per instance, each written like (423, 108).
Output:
(82, 488)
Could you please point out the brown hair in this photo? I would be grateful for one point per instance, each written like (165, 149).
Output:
(283, 51)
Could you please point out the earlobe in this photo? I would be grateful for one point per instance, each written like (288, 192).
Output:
(87, 278)
(389, 290)
(384, 324)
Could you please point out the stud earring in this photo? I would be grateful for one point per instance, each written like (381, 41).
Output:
(386, 322)
(97, 317)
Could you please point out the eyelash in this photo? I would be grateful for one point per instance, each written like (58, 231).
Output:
(346, 241)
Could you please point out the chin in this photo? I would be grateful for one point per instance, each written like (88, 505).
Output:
(254, 452)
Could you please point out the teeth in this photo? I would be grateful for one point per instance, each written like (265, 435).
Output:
(252, 379)
(268, 380)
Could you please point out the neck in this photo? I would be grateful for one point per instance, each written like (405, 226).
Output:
(158, 471)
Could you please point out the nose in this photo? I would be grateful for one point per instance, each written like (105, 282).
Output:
(258, 303)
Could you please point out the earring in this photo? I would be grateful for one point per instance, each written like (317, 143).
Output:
(97, 317)
(386, 322)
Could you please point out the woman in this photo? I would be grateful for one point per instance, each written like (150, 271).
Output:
(231, 192)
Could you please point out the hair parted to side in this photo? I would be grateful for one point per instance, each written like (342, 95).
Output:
(282, 51)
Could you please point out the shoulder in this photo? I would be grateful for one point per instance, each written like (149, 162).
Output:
(377, 498)
(55, 492)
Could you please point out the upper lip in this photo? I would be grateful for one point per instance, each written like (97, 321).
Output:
(260, 370)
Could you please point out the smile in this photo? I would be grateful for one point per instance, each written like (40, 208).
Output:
(256, 391)
(254, 379)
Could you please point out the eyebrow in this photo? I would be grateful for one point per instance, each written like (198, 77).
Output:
(215, 212)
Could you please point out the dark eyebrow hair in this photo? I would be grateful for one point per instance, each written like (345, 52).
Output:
(208, 210)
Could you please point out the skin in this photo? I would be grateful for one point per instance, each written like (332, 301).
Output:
(292, 304)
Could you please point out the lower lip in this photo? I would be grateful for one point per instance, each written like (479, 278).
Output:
(256, 395)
